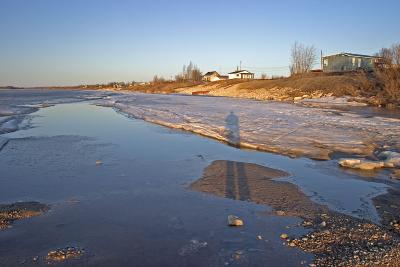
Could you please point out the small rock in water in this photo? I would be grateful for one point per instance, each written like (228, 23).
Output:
(284, 236)
(234, 221)
(99, 162)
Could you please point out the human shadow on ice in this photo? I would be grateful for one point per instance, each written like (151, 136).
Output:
(232, 129)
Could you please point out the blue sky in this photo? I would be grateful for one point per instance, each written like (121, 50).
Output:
(65, 42)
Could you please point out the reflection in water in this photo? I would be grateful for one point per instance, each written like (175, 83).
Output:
(232, 129)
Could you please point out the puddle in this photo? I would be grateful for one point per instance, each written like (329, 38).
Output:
(134, 207)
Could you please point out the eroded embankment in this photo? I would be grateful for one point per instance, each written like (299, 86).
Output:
(277, 127)
(335, 239)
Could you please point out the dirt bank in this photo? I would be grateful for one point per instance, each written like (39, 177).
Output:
(310, 86)
(335, 239)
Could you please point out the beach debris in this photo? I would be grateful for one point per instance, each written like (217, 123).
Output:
(193, 247)
(234, 221)
(63, 254)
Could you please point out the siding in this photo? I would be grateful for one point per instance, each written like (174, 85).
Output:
(340, 63)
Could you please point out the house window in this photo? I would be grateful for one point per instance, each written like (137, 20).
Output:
(359, 62)
(353, 60)
(326, 62)
(237, 75)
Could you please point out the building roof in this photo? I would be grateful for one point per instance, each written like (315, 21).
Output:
(211, 73)
(351, 55)
(239, 71)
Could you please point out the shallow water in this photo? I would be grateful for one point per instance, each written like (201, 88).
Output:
(134, 209)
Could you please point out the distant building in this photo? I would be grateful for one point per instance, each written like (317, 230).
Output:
(348, 62)
(241, 74)
(213, 76)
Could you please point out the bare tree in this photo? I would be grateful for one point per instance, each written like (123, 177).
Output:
(263, 76)
(189, 73)
(388, 73)
(302, 58)
(157, 79)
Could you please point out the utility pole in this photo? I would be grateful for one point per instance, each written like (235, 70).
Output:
(240, 65)
(322, 64)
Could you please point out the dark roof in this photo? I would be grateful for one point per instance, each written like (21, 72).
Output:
(239, 71)
(351, 55)
(211, 73)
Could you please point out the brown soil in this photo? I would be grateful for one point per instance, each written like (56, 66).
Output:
(336, 239)
(311, 85)
(20, 210)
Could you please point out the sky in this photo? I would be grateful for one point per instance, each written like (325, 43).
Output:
(71, 42)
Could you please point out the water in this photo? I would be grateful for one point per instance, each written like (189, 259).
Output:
(135, 209)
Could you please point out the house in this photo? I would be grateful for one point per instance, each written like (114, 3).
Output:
(241, 74)
(213, 76)
(348, 62)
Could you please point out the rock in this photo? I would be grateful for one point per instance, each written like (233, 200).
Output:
(259, 237)
(234, 221)
(284, 236)
(323, 224)
(99, 162)
(297, 98)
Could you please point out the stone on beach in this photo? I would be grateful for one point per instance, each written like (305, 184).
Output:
(234, 221)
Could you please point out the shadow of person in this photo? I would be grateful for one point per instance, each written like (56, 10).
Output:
(232, 129)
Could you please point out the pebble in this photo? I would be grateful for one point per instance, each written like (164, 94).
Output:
(284, 236)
